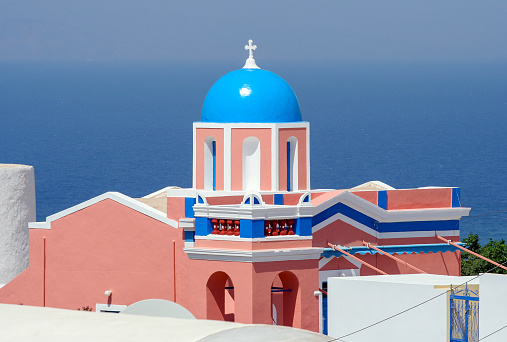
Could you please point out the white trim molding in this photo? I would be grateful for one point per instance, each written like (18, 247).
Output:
(311, 253)
(381, 215)
(115, 196)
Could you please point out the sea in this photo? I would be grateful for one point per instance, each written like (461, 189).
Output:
(97, 126)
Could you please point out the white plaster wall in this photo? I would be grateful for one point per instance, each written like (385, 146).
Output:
(17, 208)
(493, 307)
(354, 303)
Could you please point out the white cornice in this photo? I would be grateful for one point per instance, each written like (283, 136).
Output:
(254, 256)
(252, 212)
(200, 124)
(115, 196)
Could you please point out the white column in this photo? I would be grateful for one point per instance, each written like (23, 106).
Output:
(17, 208)
(227, 158)
(275, 158)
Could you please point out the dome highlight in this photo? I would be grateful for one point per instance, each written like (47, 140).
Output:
(251, 95)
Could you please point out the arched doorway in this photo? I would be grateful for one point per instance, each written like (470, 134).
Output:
(285, 300)
(220, 297)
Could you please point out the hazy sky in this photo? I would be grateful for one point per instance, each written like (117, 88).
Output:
(299, 30)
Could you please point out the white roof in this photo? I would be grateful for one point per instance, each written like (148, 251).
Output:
(22, 323)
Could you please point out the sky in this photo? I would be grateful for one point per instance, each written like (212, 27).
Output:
(392, 30)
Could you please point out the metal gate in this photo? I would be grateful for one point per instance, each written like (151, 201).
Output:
(464, 309)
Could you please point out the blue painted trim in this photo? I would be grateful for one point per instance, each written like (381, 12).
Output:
(345, 210)
(278, 199)
(203, 226)
(189, 236)
(392, 249)
(307, 198)
(251, 228)
(247, 201)
(387, 227)
(189, 210)
(200, 199)
(303, 226)
(256, 201)
(288, 166)
(456, 197)
(382, 199)
(214, 144)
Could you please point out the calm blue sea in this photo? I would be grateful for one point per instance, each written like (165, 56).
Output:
(93, 127)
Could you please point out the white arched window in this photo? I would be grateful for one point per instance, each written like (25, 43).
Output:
(210, 163)
(251, 164)
(292, 164)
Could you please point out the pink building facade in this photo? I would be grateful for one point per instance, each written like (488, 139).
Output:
(249, 242)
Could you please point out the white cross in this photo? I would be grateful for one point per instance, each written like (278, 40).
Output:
(251, 48)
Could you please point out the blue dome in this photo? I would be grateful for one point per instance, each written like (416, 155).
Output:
(251, 95)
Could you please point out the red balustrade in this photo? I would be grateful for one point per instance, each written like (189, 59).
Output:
(278, 227)
(225, 227)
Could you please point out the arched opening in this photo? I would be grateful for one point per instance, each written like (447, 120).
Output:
(220, 297)
(251, 164)
(292, 164)
(284, 299)
(210, 164)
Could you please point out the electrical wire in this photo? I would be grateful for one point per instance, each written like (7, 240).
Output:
(494, 332)
(491, 213)
(413, 307)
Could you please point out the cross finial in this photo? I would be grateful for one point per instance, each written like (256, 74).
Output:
(251, 48)
(250, 62)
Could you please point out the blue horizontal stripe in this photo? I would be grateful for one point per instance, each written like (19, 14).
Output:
(417, 226)
(392, 249)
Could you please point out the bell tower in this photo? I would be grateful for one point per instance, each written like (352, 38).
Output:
(251, 136)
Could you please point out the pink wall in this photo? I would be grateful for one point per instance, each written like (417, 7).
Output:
(370, 196)
(283, 135)
(175, 207)
(200, 136)
(247, 245)
(106, 246)
(448, 263)
(237, 137)
(419, 198)
(252, 289)
(221, 200)
(339, 232)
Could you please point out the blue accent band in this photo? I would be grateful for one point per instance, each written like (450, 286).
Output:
(288, 166)
(189, 236)
(417, 226)
(203, 226)
(392, 249)
(278, 199)
(382, 199)
(456, 197)
(189, 210)
(303, 226)
(251, 228)
(214, 144)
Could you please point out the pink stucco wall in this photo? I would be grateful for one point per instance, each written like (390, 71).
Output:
(419, 198)
(252, 289)
(200, 136)
(237, 137)
(283, 135)
(106, 246)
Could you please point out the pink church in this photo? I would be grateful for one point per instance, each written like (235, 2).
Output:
(250, 242)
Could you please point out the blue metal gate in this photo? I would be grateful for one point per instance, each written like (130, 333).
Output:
(464, 309)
